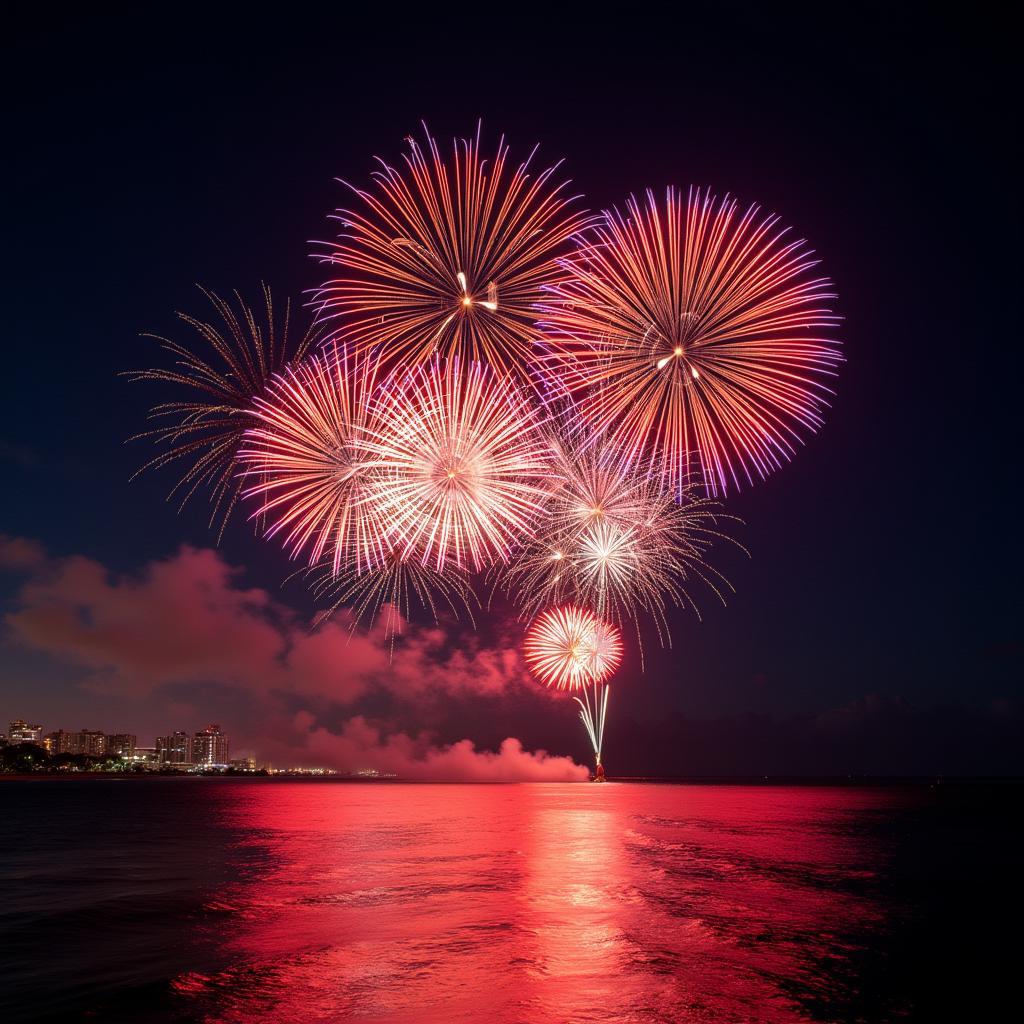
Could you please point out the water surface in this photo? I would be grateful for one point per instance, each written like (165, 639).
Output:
(231, 901)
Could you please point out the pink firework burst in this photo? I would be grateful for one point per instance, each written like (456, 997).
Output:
(570, 648)
(461, 463)
(307, 465)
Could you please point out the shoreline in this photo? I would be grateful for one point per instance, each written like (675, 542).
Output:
(767, 782)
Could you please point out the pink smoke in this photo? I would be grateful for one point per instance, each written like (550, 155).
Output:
(188, 619)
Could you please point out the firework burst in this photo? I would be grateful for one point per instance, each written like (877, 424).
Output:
(306, 464)
(612, 540)
(695, 337)
(204, 427)
(450, 256)
(570, 648)
(462, 466)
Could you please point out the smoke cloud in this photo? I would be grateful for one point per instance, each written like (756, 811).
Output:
(188, 623)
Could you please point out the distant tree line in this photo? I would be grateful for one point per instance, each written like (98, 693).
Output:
(30, 757)
(25, 758)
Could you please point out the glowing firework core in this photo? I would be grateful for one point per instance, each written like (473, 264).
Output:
(461, 464)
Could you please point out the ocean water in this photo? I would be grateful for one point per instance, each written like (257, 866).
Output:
(232, 901)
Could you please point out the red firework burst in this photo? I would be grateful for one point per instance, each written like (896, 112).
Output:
(450, 256)
(695, 337)
(215, 384)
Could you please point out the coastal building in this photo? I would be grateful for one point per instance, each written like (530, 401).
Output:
(57, 742)
(174, 749)
(85, 741)
(20, 731)
(210, 747)
(121, 744)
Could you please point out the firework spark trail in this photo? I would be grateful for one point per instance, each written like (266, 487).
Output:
(391, 588)
(694, 336)
(205, 429)
(306, 464)
(593, 714)
(462, 466)
(612, 540)
(450, 257)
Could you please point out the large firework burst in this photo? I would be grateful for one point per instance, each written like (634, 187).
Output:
(450, 256)
(307, 465)
(570, 648)
(461, 463)
(613, 540)
(695, 336)
(203, 428)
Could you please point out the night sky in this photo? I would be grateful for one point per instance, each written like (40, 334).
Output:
(875, 627)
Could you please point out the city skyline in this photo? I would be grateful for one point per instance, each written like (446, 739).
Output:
(209, 747)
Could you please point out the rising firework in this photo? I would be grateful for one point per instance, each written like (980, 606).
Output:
(462, 466)
(218, 384)
(572, 649)
(695, 337)
(306, 464)
(450, 256)
(612, 540)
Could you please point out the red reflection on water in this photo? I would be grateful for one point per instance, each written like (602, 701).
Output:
(538, 902)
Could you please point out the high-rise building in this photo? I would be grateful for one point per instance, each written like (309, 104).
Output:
(210, 747)
(58, 742)
(121, 744)
(21, 731)
(86, 741)
(174, 749)
(62, 742)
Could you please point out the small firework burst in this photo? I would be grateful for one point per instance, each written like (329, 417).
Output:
(569, 648)
(613, 540)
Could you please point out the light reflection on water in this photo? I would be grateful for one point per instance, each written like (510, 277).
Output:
(242, 901)
(537, 903)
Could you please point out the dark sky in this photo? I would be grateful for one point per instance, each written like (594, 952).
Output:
(876, 625)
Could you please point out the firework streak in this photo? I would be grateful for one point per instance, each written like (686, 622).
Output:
(205, 426)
